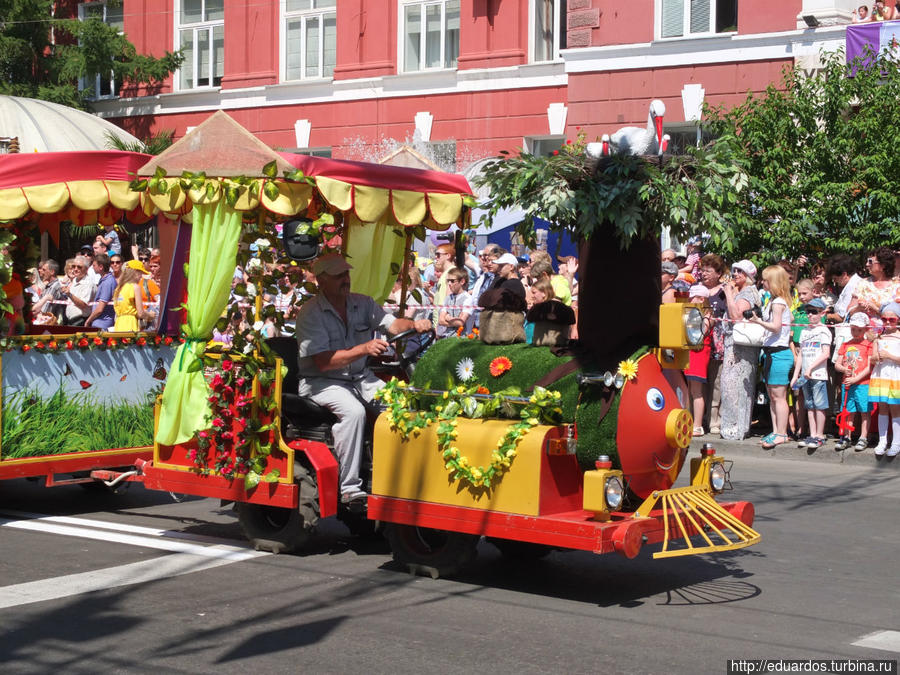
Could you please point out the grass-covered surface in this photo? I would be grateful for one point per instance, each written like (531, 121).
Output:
(35, 427)
(437, 370)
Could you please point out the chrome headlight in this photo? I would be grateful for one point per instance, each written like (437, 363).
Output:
(614, 493)
(717, 476)
(693, 326)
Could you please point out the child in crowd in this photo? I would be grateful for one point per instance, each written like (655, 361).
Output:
(884, 385)
(854, 362)
(815, 348)
(698, 364)
(453, 315)
(805, 290)
(692, 262)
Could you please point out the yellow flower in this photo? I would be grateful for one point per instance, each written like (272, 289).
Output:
(464, 461)
(446, 394)
(533, 421)
(628, 369)
(476, 474)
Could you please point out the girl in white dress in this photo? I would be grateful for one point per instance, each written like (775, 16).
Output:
(884, 385)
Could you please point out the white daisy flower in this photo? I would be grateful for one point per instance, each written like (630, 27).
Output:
(465, 369)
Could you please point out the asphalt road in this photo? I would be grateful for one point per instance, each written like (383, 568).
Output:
(138, 583)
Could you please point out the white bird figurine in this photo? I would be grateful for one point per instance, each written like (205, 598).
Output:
(637, 141)
(600, 149)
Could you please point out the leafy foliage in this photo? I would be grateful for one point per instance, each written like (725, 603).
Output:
(819, 150)
(152, 145)
(43, 57)
(637, 195)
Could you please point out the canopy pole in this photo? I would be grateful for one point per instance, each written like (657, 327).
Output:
(404, 276)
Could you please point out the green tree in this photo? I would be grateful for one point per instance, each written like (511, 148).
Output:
(636, 196)
(44, 57)
(820, 151)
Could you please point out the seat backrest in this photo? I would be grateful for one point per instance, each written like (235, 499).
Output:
(288, 349)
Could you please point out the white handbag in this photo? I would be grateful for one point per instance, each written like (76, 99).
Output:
(749, 334)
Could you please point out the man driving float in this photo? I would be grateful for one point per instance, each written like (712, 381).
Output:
(335, 332)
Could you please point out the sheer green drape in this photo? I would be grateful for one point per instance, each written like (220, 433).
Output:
(371, 248)
(215, 235)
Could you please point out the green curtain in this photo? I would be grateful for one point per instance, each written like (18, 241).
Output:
(371, 248)
(215, 235)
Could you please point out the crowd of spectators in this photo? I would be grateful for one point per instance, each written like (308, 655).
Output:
(98, 288)
(825, 348)
(880, 11)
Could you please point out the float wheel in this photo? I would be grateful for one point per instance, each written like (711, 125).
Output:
(280, 530)
(430, 552)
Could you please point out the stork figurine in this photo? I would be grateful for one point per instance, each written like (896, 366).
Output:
(635, 140)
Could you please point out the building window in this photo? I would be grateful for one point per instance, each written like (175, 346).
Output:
(548, 21)
(543, 146)
(101, 86)
(683, 136)
(201, 34)
(310, 39)
(681, 18)
(430, 36)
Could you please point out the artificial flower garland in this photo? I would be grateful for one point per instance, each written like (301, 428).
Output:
(407, 417)
(234, 433)
(82, 342)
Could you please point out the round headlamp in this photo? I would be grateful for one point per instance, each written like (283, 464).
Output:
(717, 476)
(693, 326)
(614, 493)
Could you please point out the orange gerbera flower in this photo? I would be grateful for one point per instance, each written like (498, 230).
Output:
(500, 365)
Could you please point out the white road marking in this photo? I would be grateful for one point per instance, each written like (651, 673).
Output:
(887, 640)
(187, 557)
(141, 572)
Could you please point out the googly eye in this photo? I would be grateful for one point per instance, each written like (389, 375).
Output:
(655, 399)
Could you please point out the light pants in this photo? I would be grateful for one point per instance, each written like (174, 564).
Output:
(349, 403)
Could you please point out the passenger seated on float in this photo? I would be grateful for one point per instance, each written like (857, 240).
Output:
(453, 315)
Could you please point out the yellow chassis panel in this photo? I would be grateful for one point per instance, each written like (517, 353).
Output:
(414, 469)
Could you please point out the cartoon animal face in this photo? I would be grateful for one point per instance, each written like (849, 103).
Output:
(654, 429)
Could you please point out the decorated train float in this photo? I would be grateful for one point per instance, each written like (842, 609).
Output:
(558, 446)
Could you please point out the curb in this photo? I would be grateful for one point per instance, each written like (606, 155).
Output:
(789, 451)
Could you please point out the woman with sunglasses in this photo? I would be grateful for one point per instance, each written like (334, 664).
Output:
(880, 288)
(884, 384)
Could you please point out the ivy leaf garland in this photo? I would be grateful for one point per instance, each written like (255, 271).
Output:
(409, 414)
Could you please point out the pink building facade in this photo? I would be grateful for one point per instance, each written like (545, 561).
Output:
(465, 78)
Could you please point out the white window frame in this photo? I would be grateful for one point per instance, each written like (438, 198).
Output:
(686, 33)
(84, 82)
(305, 14)
(401, 34)
(531, 143)
(197, 27)
(532, 27)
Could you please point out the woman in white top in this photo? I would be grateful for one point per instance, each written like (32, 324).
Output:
(778, 359)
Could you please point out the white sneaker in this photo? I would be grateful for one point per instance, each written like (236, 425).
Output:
(880, 448)
(893, 451)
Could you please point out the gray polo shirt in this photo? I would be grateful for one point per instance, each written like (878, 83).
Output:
(321, 329)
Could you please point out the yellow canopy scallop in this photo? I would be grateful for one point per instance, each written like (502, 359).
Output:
(47, 198)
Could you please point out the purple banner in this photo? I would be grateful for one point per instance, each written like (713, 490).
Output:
(875, 36)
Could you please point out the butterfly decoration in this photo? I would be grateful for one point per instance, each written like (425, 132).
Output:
(85, 384)
(123, 378)
(67, 370)
(159, 370)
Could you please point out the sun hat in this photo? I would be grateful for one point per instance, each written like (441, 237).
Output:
(699, 291)
(859, 319)
(892, 307)
(668, 267)
(746, 267)
(137, 265)
(507, 259)
(816, 304)
(333, 264)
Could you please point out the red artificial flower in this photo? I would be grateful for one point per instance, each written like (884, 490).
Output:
(203, 434)
(482, 390)
(216, 383)
(192, 455)
(213, 400)
(125, 341)
(98, 341)
(157, 339)
(167, 341)
(227, 393)
(26, 348)
(52, 344)
(227, 364)
(500, 365)
(111, 342)
(39, 345)
(218, 422)
(70, 344)
(556, 152)
(240, 381)
(83, 342)
(141, 341)
(227, 435)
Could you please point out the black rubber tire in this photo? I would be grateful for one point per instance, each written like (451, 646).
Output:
(521, 550)
(433, 553)
(280, 530)
(360, 525)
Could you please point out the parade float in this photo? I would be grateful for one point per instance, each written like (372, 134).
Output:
(534, 447)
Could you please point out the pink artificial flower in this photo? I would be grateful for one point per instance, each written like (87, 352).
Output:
(218, 423)
(217, 382)
(227, 364)
(240, 381)
(203, 434)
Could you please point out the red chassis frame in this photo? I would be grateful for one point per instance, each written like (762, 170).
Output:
(623, 533)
